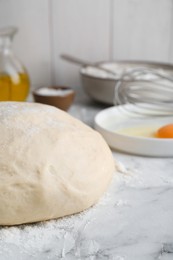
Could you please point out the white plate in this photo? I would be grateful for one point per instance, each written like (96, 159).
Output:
(109, 121)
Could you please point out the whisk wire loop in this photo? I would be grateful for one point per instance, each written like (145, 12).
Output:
(147, 88)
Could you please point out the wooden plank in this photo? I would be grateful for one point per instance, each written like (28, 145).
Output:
(170, 58)
(80, 28)
(31, 44)
(142, 29)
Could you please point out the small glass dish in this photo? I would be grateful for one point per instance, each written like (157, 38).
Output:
(59, 96)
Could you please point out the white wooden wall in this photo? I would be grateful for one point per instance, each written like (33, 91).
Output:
(90, 29)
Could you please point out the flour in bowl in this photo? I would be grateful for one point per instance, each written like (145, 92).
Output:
(53, 92)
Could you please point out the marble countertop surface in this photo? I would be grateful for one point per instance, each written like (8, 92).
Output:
(132, 221)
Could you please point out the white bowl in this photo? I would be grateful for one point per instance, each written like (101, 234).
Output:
(110, 120)
(100, 85)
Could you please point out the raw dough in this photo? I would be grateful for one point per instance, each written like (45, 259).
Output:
(51, 164)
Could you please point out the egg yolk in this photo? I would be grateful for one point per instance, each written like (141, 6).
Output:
(165, 131)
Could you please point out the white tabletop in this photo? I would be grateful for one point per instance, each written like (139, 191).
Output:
(132, 221)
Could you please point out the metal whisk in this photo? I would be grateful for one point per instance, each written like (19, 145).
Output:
(149, 90)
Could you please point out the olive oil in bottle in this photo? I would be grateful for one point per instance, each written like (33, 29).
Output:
(14, 88)
(14, 80)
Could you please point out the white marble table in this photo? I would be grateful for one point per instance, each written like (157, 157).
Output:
(132, 221)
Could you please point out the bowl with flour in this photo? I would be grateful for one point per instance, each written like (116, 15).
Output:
(100, 85)
(59, 96)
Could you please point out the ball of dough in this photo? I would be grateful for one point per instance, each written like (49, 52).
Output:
(51, 165)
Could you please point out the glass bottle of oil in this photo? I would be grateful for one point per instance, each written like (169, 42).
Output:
(14, 80)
